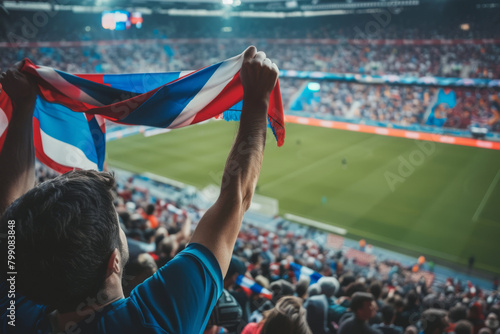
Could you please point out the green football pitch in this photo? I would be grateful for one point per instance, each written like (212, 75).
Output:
(439, 200)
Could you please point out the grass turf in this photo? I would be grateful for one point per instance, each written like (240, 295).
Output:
(419, 197)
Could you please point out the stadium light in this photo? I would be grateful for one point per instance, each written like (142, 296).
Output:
(227, 2)
(465, 26)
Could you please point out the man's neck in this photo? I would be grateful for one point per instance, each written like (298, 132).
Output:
(111, 292)
(63, 321)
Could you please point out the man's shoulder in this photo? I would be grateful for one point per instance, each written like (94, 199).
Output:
(192, 281)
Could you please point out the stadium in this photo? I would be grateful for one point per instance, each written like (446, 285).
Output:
(376, 209)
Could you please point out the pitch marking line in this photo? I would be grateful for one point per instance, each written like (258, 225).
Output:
(486, 197)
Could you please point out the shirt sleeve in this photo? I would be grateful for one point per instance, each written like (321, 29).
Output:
(180, 296)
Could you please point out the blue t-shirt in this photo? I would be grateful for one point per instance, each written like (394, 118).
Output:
(178, 298)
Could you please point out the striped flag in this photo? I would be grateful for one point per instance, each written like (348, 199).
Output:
(301, 271)
(250, 286)
(68, 122)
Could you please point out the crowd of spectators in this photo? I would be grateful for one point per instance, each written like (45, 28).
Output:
(349, 298)
(391, 104)
(405, 106)
(463, 61)
(398, 105)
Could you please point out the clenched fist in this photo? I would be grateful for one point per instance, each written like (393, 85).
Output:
(20, 88)
(258, 75)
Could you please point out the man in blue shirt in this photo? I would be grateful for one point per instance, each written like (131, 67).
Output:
(69, 248)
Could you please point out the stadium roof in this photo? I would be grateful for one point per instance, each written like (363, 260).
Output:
(278, 8)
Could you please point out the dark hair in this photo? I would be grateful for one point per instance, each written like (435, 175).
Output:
(301, 287)
(457, 313)
(358, 299)
(376, 289)
(411, 299)
(287, 317)
(254, 258)
(66, 230)
(387, 313)
(464, 327)
(433, 319)
(354, 287)
(150, 209)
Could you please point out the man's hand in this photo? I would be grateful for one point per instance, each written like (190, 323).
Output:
(21, 89)
(258, 75)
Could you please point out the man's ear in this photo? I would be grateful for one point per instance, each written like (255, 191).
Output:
(114, 263)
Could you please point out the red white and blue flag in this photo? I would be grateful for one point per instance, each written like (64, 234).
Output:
(68, 121)
(305, 272)
(250, 286)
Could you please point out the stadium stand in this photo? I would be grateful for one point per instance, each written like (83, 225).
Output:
(389, 104)
(316, 286)
(265, 255)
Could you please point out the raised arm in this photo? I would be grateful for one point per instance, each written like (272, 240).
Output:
(219, 227)
(185, 232)
(17, 158)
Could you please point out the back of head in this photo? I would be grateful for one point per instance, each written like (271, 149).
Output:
(358, 299)
(314, 290)
(376, 289)
(434, 320)
(411, 298)
(280, 289)
(485, 330)
(302, 286)
(150, 209)
(329, 286)
(411, 330)
(354, 287)
(317, 313)
(66, 230)
(137, 270)
(464, 327)
(387, 313)
(287, 317)
(457, 313)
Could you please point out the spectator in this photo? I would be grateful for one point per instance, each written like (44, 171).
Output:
(137, 270)
(71, 245)
(388, 316)
(475, 316)
(364, 308)
(434, 321)
(226, 315)
(301, 288)
(463, 327)
(149, 216)
(492, 322)
(288, 317)
(280, 289)
(317, 314)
